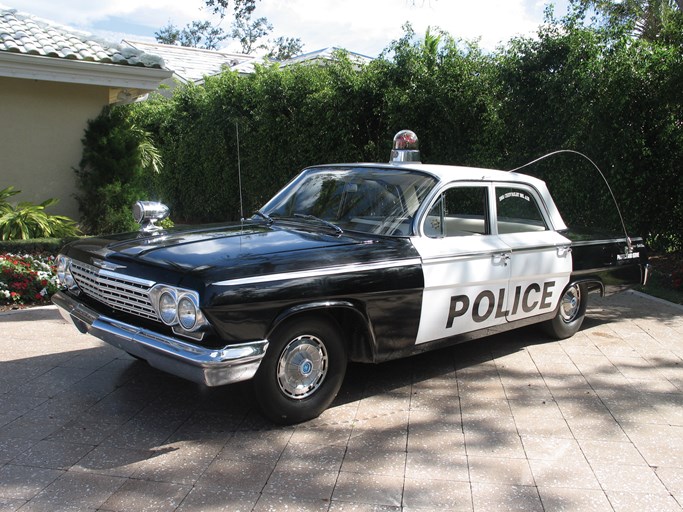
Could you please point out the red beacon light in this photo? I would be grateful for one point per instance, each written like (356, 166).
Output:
(405, 148)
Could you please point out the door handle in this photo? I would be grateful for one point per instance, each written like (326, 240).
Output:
(563, 251)
(501, 257)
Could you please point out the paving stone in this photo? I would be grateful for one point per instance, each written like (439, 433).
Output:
(75, 492)
(563, 499)
(606, 452)
(490, 497)
(25, 482)
(636, 502)
(216, 498)
(141, 496)
(499, 470)
(241, 476)
(436, 494)
(624, 478)
(567, 473)
(304, 484)
(371, 489)
(53, 454)
(373, 461)
(274, 503)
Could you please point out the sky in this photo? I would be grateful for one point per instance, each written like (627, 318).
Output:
(363, 26)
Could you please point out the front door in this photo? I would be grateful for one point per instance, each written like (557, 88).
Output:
(466, 267)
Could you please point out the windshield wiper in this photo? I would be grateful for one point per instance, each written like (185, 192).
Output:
(327, 223)
(264, 216)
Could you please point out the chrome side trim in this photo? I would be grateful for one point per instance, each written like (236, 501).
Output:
(580, 243)
(447, 258)
(319, 272)
(211, 367)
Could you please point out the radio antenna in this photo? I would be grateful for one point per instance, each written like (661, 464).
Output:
(239, 170)
(614, 199)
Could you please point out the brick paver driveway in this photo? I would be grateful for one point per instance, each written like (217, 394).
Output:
(513, 422)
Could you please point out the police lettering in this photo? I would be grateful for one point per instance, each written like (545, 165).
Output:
(533, 297)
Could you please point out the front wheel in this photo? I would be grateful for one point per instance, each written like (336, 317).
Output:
(302, 371)
(570, 313)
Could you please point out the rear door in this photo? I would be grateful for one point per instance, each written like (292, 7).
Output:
(540, 258)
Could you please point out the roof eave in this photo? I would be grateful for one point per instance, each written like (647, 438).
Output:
(37, 67)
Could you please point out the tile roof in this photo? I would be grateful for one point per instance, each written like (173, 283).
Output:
(326, 54)
(25, 34)
(193, 64)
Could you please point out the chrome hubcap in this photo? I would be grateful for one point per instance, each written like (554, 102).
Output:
(302, 367)
(571, 303)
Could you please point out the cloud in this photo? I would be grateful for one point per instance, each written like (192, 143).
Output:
(365, 26)
(86, 13)
(369, 26)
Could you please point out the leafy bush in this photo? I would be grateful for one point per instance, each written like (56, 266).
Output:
(27, 279)
(119, 167)
(35, 245)
(28, 220)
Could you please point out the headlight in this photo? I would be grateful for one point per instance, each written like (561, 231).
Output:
(178, 308)
(64, 276)
(167, 308)
(62, 265)
(187, 313)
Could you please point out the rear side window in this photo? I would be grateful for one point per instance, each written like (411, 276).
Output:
(518, 211)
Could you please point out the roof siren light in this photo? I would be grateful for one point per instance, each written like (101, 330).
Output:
(405, 148)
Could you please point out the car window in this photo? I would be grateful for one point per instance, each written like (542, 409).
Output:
(518, 211)
(459, 211)
(378, 201)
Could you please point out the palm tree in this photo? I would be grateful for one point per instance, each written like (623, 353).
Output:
(646, 17)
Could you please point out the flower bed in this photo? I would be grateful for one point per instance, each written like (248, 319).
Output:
(27, 279)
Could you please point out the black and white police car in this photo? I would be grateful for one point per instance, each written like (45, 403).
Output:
(349, 262)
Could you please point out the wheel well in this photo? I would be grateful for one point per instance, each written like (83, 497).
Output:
(592, 285)
(351, 322)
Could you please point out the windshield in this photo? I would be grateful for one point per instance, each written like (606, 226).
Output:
(378, 201)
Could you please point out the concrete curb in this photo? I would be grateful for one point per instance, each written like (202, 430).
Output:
(26, 310)
(656, 299)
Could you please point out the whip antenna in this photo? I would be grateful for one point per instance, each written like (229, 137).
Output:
(239, 170)
(623, 224)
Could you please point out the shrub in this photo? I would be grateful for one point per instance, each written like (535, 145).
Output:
(119, 167)
(28, 220)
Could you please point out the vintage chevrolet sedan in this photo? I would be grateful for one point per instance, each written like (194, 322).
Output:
(349, 262)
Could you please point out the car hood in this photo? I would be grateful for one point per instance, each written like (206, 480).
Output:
(210, 247)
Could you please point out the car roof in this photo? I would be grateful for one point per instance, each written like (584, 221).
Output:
(448, 173)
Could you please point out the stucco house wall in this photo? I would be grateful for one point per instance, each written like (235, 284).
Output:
(40, 136)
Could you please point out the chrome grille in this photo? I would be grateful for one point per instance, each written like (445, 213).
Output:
(117, 291)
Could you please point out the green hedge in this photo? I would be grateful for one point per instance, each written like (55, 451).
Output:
(612, 97)
(34, 246)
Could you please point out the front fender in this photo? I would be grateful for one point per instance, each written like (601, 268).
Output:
(349, 317)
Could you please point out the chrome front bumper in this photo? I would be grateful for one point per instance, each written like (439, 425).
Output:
(211, 367)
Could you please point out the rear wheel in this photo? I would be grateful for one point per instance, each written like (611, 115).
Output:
(570, 313)
(302, 371)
